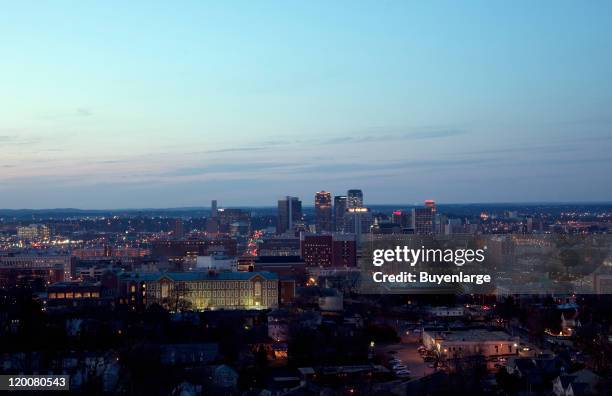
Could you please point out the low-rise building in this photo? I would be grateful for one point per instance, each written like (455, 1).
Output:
(462, 343)
(71, 294)
(48, 267)
(203, 290)
(447, 312)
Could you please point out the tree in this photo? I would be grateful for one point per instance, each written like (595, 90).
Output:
(570, 259)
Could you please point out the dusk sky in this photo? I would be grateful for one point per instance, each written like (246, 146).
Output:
(169, 104)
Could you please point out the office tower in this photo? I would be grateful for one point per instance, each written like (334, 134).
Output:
(423, 220)
(354, 199)
(529, 226)
(328, 250)
(400, 218)
(436, 221)
(430, 203)
(178, 231)
(289, 213)
(213, 208)
(316, 250)
(358, 221)
(339, 210)
(344, 251)
(453, 226)
(233, 221)
(33, 232)
(323, 211)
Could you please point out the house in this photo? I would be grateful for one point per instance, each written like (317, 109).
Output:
(188, 354)
(215, 379)
(581, 382)
(569, 321)
(224, 376)
(545, 366)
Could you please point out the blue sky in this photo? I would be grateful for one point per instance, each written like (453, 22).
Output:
(162, 104)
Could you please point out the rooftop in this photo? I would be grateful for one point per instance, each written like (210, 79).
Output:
(197, 276)
(474, 335)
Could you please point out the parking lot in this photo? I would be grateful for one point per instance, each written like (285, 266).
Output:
(407, 352)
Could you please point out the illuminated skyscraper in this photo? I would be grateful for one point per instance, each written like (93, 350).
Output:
(354, 199)
(430, 203)
(323, 211)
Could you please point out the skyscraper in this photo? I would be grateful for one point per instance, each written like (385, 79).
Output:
(355, 199)
(178, 231)
(358, 221)
(323, 211)
(289, 213)
(213, 208)
(423, 219)
(430, 203)
(339, 210)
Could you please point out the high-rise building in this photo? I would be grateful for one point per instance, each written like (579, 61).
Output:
(33, 232)
(233, 221)
(178, 231)
(328, 250)
(339, 210)
(316, 250)
(423, 220)
(354, 199)
(400, 218)
(213, 208)
(344, 251)
(323, 211)
(358, 221)
(430, 203)
(289, 213)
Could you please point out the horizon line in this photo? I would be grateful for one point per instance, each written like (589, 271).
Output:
(310, 206)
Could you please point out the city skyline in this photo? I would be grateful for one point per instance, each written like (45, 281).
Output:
(150, 105)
